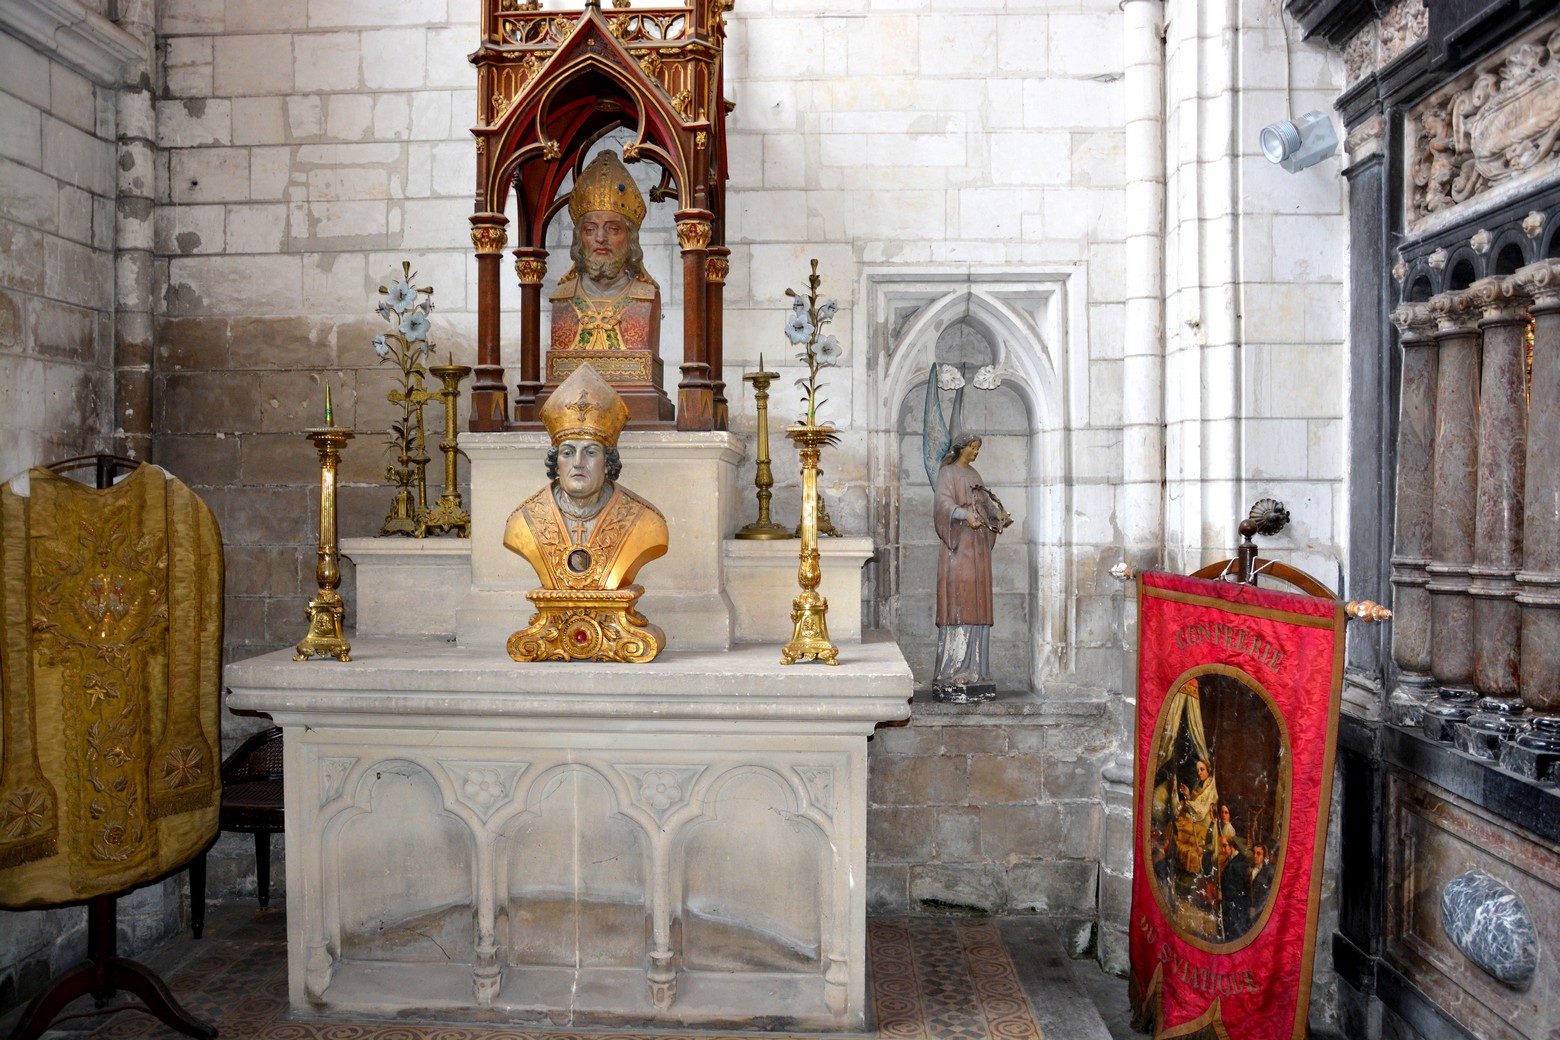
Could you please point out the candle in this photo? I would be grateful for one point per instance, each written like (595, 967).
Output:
(329, 420)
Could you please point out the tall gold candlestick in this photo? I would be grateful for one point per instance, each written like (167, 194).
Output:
(326, 610)
(809, 611)
(764, 478)
(449, 514)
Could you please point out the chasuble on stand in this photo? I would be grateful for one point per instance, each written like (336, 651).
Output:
(110, 682)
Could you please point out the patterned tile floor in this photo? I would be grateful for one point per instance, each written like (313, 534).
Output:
(931, 978)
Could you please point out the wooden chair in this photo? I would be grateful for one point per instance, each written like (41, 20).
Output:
(251, 802)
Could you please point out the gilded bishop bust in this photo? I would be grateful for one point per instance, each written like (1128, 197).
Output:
(586, 535)
(606, 301)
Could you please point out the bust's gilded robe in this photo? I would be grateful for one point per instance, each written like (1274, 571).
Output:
(628, 533)
(632, 322)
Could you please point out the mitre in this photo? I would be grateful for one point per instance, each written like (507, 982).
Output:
(584, 407)
(606, 186)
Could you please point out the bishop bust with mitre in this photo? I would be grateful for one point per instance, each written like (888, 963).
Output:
(606, 301)
(586, 535)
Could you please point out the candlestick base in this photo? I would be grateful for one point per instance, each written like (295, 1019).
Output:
(759, 530)
(447, 515)
(810, 638)
(325, 638)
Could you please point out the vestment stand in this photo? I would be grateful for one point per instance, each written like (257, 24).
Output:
(103, 975)
(105, 972)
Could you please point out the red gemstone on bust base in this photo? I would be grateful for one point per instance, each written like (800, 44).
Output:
(581, 636)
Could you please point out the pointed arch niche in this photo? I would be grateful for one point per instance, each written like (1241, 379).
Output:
(1029, 324)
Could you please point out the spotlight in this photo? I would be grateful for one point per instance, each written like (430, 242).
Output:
(1294, 146)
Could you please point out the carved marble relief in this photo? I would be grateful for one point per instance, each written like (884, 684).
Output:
(1498, 125)
(1491, 925)
(1383, 41)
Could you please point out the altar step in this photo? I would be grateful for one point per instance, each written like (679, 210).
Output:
(936, 978)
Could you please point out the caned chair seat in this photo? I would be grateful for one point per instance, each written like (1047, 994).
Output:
(251, 804)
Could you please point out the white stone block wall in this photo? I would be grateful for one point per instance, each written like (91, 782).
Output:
(57, 190)
(945, 142)
(1256, 294)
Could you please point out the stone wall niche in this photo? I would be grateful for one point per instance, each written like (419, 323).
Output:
(1016, 330)
(576, 876)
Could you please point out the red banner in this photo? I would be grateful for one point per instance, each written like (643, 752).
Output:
(1236, 724)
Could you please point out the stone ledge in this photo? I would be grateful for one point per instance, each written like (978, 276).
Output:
(1532, 806)
(67, 29)
(400, 683)
(1065, 703)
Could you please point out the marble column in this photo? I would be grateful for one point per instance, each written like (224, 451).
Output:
(1502, 453)
(530, 269)
(489, 395)
(1415, 501)
(695, 392)
(1539, 580)
(717, 265)
(1453, 483)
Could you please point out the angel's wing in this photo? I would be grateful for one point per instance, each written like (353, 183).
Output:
(937, 430)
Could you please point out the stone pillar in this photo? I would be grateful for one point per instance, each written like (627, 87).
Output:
(1415, 501)
(1141, 496)
(135, 115)
(1497, 547)
(695, 395)
(530, 268)
(1143, 339)
(133, 271)
(1116, 855)
(1453, 483)
(489, 395)
(1539, 581)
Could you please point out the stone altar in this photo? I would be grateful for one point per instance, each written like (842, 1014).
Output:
(547, 841)
(681, 842)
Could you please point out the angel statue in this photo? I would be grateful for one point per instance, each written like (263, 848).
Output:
(968, 518)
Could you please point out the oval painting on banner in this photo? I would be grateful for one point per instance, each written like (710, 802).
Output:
(1216, 807)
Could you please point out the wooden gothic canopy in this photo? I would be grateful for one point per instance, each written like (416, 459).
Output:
(549, 86)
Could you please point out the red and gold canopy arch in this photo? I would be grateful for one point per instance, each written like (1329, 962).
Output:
(550, 84)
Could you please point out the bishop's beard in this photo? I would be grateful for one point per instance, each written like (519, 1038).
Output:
(603, 269)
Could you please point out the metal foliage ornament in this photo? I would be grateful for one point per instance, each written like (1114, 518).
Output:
(406, 345)
(804, 328)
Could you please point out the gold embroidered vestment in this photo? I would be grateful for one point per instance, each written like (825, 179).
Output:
(110, 684)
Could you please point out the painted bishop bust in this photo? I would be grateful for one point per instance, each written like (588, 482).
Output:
(606, 301)
(586, 535)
